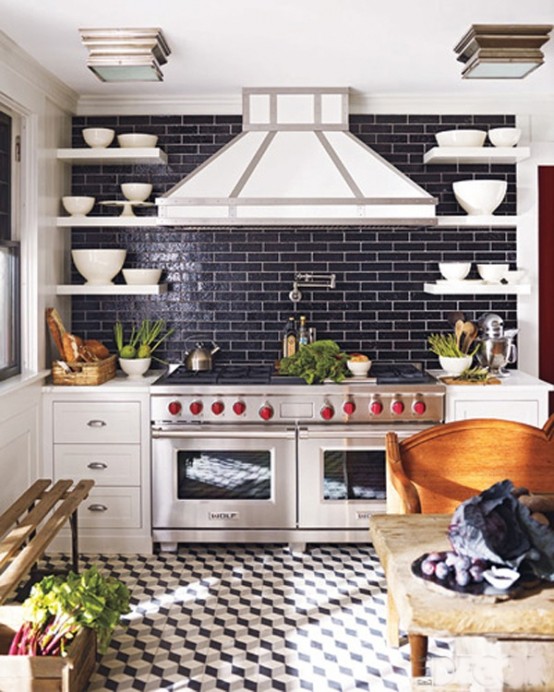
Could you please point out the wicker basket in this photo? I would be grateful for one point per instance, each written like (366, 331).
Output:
(84, 373)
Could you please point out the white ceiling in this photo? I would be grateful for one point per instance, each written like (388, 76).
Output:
(219, 46)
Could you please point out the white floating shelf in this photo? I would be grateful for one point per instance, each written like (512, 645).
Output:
(100, 221)
(477, 289)
(476, 155)
(113, 289)
(112, 156)
(477, 221)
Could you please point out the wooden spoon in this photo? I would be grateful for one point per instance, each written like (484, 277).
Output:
(458, 331)
(468, 336)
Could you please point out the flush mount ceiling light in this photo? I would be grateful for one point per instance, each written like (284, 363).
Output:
(502, 51)
(126, 55)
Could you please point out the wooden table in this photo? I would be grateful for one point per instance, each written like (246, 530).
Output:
(428, 610)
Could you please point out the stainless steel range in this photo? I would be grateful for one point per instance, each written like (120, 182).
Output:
(242, 454)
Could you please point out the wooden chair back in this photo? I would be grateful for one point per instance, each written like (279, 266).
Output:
(435, 470)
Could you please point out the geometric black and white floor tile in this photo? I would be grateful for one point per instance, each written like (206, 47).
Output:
(251, 617)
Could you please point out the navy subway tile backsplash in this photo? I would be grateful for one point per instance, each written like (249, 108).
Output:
(233, 283)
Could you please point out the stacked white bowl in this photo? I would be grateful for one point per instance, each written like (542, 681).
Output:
(137, 139)
(461, 138)
(98, 266)
(480, 197)
(78, 205)
(454, 271)
(504, 136)
(98, 137)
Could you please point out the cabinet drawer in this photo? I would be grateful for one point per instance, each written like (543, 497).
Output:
(98, 421)
(105, 464)
(111, 508)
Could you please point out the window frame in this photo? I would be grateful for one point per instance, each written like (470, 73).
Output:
(8, 241)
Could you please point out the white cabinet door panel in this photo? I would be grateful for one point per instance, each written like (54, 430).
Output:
(104, 464)
(111, 508)
(522, 411)
(97, 422)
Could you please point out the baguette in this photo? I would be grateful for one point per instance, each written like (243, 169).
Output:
(70, 348)
(57, 330)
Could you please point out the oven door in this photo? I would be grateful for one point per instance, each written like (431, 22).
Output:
(223, 479)
(342, 475)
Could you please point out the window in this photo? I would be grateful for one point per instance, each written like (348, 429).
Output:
(10, 351)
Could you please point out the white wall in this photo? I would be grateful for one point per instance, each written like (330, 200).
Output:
(45, 107)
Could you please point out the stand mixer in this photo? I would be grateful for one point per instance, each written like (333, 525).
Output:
(496, 347)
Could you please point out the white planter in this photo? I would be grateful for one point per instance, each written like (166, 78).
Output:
(135, 368)
(455, 366)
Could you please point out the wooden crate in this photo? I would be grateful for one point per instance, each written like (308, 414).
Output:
(83, 373)
(69, 673)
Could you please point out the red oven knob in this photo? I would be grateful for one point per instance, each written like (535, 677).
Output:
(327, 412)
(174, 407)
(376, 408)
(397, 407)
(217, 407)
(239, 407)
(349, 407)
(196, 407)
(419, 407)
(266, 412)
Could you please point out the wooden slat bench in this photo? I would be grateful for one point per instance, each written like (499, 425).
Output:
(26, 530)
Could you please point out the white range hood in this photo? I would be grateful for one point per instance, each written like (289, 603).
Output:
(296, 163)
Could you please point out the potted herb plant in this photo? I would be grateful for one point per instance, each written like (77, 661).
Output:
(136, 352)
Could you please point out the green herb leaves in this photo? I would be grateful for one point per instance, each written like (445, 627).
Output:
(321, 360)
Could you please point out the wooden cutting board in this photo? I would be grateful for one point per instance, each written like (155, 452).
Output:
(455, 380)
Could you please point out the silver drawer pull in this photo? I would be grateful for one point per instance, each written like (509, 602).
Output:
(96, 423)
(97, 465)
(97, 508)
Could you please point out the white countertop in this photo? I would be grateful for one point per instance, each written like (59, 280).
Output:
(517, 378)
(119, 384)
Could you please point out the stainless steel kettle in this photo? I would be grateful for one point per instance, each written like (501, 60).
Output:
(199, 358)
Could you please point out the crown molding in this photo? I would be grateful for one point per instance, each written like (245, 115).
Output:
(451, 103)
(23, 67)
(217, 104)
(360, 103)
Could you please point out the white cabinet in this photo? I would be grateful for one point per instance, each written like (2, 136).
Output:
(103, 433)
(518, 397)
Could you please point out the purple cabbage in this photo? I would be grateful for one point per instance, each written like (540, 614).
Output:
(495, 526)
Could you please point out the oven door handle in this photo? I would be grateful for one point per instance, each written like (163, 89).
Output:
(337, 434)
(229, 434)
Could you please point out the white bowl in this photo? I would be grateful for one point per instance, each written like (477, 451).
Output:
(480, 197)
(505, 136)
(493, 273)
(454, 271)
(144, 277)
(98, 266)
(98, 137)
(135, 368)
(461, 138)
(455, 366)
(78, 206)
(515, 276)
(359, 368)
(136, 139)
(136, 192)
